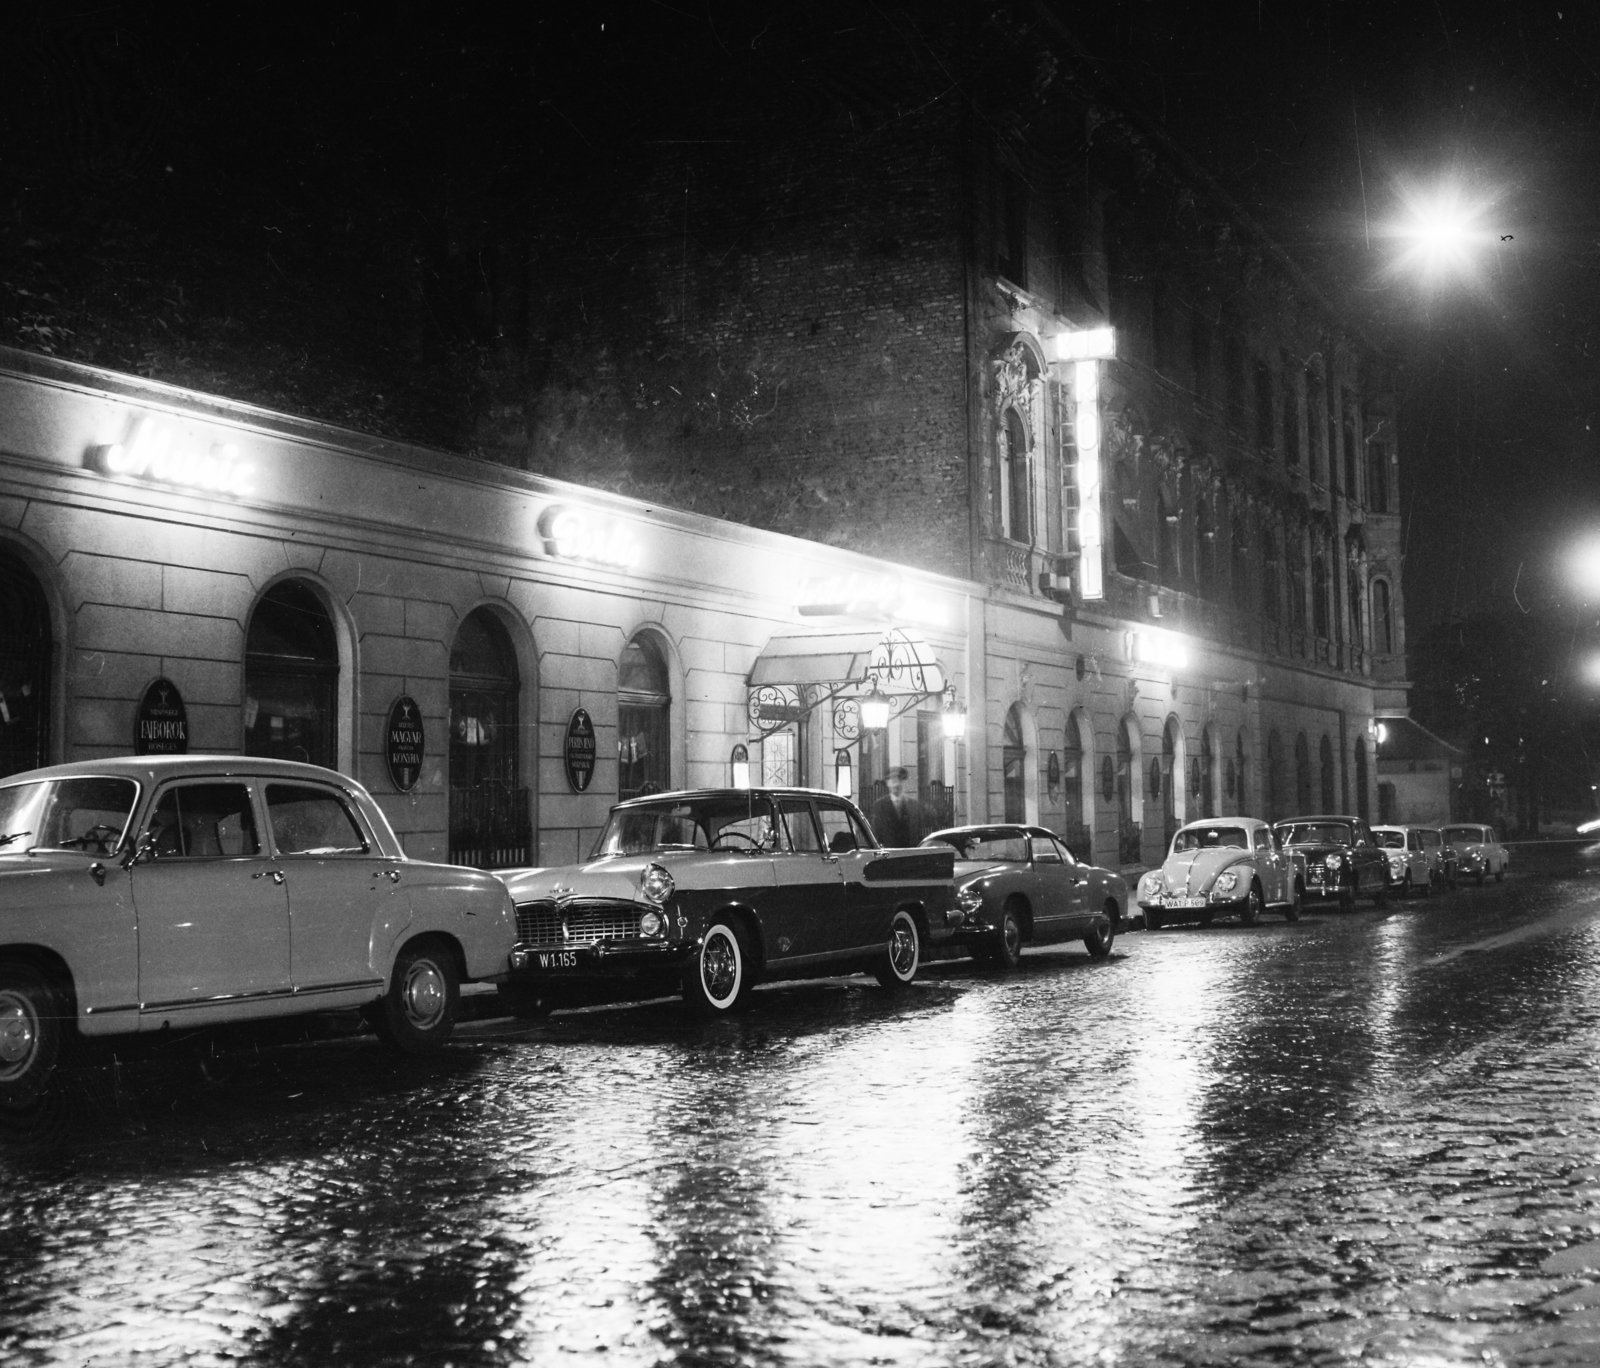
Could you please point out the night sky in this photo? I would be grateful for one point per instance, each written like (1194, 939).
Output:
(282, 206)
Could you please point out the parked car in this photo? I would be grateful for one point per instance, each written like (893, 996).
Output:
(1343, 862)
(1019, 885)
(1223, 864)
(1478, 850)
(142, 894)
(719, 888)
(1411, 868)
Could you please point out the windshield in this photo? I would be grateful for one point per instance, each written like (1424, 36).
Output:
(81, 813)
(718, 823)
(1463, 835)
(1205, 838)
(1314, 833)
(984, 845)
(1389, 840)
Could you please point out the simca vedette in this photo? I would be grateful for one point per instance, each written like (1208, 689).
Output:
(138, 895)
(1223, 865)
(716, 889)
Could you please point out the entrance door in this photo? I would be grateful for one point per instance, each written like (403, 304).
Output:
(213, 911)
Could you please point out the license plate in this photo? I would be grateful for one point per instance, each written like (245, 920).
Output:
(1183, 902)
(557, 959)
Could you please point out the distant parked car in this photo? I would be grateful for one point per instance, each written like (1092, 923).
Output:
(1478, 850)
(714, 889)
(1411, 868)
(1019, 885)
(138, 895)
(1227, 865)
(1343, 862)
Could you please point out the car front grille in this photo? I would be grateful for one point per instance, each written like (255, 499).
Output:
(576, 922)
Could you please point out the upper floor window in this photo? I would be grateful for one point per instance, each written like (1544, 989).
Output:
(1017, 475)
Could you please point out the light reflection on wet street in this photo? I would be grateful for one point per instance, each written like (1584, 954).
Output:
(1363, 1137)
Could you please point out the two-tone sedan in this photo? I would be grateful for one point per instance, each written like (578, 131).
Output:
(1343, 861)
(1226, 865)
(138, 895)
(717, 889)
(1018, 885)
(1479, 853)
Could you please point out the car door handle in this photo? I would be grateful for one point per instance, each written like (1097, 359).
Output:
(276, 875)
(393, 875)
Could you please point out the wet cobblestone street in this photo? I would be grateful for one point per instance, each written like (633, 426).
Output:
(1361, 1138)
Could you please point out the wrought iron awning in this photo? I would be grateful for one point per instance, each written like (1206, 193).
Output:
(796, 674)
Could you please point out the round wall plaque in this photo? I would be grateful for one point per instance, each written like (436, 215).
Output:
(405, 743)
(161, 726)
(579, 750)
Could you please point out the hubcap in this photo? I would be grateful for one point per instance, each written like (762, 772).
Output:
(719, 968)
(19, 1033)
(425, 994)
(903, 947)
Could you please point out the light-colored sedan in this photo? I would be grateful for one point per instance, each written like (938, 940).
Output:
(138, 895)
(1411, 868)
(1223, 864)
(1478, 850)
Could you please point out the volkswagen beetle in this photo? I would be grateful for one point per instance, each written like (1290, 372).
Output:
(1227, 865)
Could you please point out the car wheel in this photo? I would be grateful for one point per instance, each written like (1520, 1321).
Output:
(1250, 913)
(722, 976)
(1098, 943)
(1154, 919)
(30, 1034)
(418, 1012)
(1005, 948)
(901, 958)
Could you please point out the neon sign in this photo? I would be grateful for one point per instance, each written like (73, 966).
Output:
(573, 534)
(150, 453)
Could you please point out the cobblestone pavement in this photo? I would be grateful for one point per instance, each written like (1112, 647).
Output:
(1362, 1138)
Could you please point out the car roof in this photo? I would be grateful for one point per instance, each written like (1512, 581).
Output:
(155, 768)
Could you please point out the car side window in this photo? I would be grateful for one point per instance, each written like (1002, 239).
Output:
(802, 831)
(1044, 851)
(842, 830)
(312, 821)
(204, 821)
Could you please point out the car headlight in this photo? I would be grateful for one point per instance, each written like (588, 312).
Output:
(969, 900)
(1226, 882)
(1334, 861)
(656, 884)
(652, 924)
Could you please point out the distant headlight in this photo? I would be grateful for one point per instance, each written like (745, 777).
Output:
(652, 924)
(969, 900)
(656, 884)
(1226, 882)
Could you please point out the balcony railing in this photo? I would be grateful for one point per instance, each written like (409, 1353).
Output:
(490, 828)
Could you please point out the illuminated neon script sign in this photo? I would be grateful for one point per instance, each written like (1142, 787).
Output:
(150, 453)
(574, 534)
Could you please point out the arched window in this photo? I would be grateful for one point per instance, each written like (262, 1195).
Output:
(1018, 478)
(1302, 775)
(1075, 827)
(25, 651)
(644, 720)
(490, 813)
(1277, 794)
(1361, 779)
(1326, 757)
(1382, 621)
(291, 677)
(1014, 759)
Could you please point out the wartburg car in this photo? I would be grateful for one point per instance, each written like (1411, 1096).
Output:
(142, 894)
(1019, 885)
(1226, 865)
(719, 888)
(1343, 861)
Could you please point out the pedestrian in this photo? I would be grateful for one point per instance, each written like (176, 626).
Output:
(897, 816)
